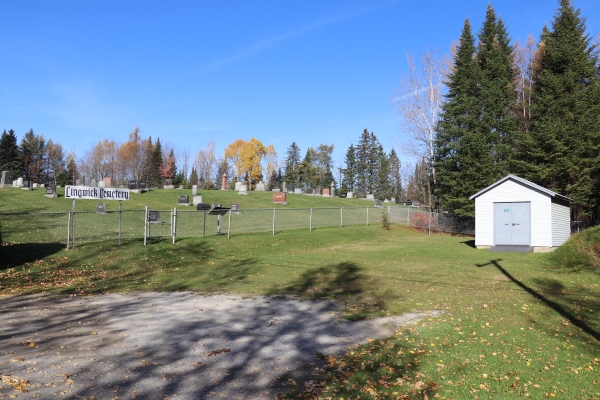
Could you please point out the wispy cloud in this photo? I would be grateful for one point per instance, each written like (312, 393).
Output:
(270, 42)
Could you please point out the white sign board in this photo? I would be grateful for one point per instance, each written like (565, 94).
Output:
(88, 192)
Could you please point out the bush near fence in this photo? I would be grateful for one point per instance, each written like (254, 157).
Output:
(78, 227)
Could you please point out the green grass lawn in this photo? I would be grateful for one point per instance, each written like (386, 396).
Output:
(512, 324)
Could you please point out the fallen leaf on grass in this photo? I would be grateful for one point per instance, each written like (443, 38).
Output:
(17, 359)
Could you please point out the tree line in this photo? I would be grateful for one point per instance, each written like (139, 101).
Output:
(529, 109)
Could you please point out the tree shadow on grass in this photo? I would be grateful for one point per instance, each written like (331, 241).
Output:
(470, 243)
(19, 254)
(552, 287)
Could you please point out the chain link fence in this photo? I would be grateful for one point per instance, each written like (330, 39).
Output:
(73, 228)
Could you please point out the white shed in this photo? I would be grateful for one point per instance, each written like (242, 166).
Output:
(514, 211)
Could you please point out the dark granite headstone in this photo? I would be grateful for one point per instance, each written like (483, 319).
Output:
(184, 199)
(378, 203)
(169, 182)
(309, 191)
(101, 208)
(203, 207)
(153, 216)
(290, 188)
(132, 185)
(49, 189)
(26, 185)
(142, 185)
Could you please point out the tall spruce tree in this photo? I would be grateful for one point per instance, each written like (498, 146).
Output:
(563, 150)
(350, 171)
(10, 156)
(395, 176)
(497, 94)
(462, 150)
(33, 157)
(383, 188)
(292, 162)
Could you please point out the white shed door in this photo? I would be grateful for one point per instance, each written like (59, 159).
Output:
(512, 224)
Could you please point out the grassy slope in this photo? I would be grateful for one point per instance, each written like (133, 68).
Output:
(16, 200)
(514, 324)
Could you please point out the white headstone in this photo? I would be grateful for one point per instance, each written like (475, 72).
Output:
(195, 191)
(350, 195)
(297, 191)
(238, 185)
(260, 187)
(370, 197)
(15, 184)
(196, 200)
(94, 183)
(19, 181)
(243, 189)
(35, 185)
(101, 184)
(42, 185)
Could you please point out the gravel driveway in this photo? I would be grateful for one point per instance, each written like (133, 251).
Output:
(170, 345)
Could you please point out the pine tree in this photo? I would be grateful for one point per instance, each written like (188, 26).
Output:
(497, 94)
(193, 177)
(462, 151)
(10, 156)
(394, 176)
(383, 188)
(563, 151)
(32, 152)
(72, 171)
(363, 172)
(292, 162)
(350, 171)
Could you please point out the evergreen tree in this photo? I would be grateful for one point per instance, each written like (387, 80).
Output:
(350, 172)
(72, 171)
(193, 177)
(497, 94)
(394, 175)
(563, 150)
(10, 156)
(32, 152)
(157, 161)
(462, 150)
(383, 188)
(306, 171)
(292, 163)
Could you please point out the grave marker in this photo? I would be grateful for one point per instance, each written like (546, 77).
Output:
(25, 185)
(183, 200)
(280, 198)
(5, 180)
(101, 208)
(51, 192)
(235, 208)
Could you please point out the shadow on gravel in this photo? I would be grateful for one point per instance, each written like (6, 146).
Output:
(19, 254)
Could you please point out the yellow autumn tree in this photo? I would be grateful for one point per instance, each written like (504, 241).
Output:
(246, 157)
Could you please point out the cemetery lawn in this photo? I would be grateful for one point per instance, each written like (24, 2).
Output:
(512, 324)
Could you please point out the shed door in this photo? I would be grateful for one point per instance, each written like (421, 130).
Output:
(512, 223)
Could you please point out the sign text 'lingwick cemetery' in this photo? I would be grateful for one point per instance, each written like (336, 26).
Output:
(88, 192)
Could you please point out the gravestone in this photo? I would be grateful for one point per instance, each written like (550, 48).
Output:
(180, 187)
(284, 187)
(393, 200)
(132, 185)
(243, 190)
(183, 200)
(169, 184)
(275, 186)
(325, 192)
(94, 183)
(19, 181)
(196, 200)
(235, 208)
(317, 191)
(309, 191)
(290, 188)
(238, 185)
(154, 216)
(343, 195)
(280, 198)
(78, 182)
(101, 208)
(42, 185)
(58, 186)
(378, 203)
(370, 197)
(35, 185)
(350, 195)
(203, 207)
(194, 190)
(332, 190)
(102, 184)
(50, 192)
(15, 184)
(107, 181)
(224, 182)
(297, 191)
(143, 186)
(260, 187)
(416, 204)
(4, 180)
(25, 185)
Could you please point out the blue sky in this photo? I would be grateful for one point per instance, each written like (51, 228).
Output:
(190, 71)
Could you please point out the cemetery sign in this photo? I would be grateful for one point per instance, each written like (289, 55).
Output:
(88, 192)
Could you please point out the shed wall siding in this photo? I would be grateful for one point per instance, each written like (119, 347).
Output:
(561, 224)
(510, 192)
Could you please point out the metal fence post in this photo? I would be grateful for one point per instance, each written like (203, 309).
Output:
(341, 216)
(273, 222)
(145, 225)
(120, 219)
(229, 226)
(204, 228)
(367, 216)
(429, 223)
(174, 224)
(68, 229)
(310, 223)
(408, 215)
(73, 230)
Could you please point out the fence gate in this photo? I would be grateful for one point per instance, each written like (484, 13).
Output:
(159, 223)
